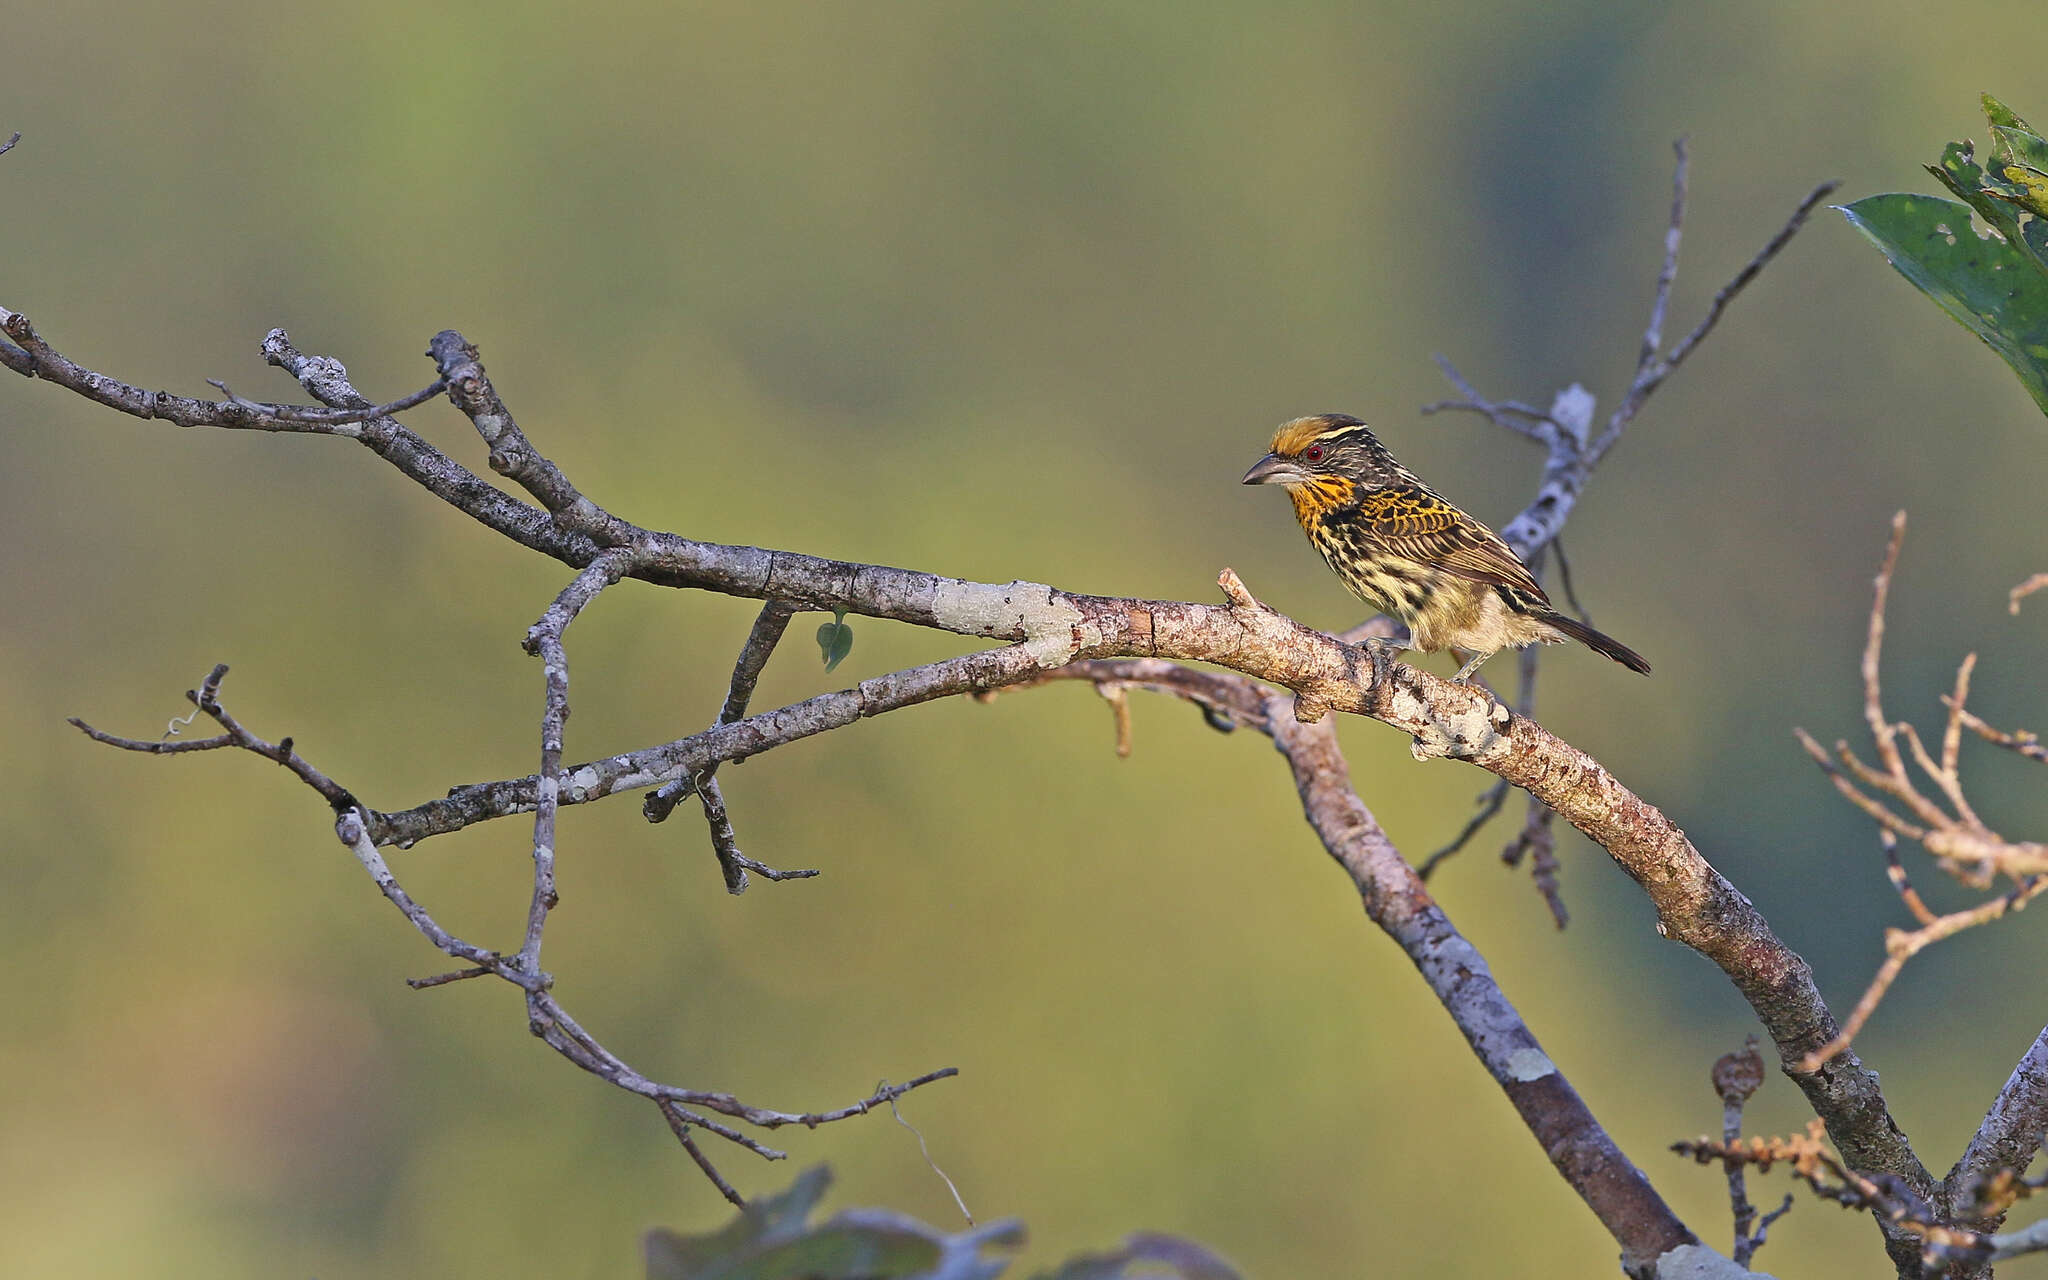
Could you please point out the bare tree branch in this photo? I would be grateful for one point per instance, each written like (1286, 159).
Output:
(1652, 368)
(544, 640)
(1045, 632)
(547, 1018)
(1049, 628)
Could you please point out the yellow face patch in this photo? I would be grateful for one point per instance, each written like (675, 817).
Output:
(1317, 498)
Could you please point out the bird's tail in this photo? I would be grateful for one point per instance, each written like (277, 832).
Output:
(1599, 642)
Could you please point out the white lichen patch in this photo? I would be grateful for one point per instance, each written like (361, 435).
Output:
(1053, 628)
(583, 781)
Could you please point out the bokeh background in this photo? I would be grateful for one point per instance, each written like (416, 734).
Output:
(996, 290)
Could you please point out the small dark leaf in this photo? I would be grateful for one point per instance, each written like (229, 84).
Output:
(835, 640)
(769, 1241)
(1144, 1255)
(673, 1256)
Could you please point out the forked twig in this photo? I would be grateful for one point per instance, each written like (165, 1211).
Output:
(766, 633)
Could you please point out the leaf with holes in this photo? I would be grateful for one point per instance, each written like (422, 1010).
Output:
(1989, 286)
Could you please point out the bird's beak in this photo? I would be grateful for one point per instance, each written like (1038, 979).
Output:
(1274, 469)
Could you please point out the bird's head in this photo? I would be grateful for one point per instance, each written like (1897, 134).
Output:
(1329, 451)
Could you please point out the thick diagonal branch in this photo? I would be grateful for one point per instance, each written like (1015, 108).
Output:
(1397, 901)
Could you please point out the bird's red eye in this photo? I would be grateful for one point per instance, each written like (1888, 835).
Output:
(1314, 453)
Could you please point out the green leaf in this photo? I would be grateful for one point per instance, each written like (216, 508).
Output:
(2002, 116)
(1990, 287)
(835, 639)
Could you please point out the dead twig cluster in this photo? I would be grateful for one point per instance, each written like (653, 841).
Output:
(1956, 837)
(1737, 1076)
(1943, 1245)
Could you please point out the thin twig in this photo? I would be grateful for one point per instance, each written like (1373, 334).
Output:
(1538, 839)
(1652, 371)
(8, 145)
(1896, 872)
(206, 699)
(2013, 597)
(1901, 946)
(765, 634)
(152, 746)
(1490, 802)
(316, 415)
(681, 1128)
(544, 640)
(762, 637)
(1508, 415)
(2023, 741)
(444, 979)
(1564, 578)
(1653, 333)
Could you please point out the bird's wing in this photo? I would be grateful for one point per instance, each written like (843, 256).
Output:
(1416, 524)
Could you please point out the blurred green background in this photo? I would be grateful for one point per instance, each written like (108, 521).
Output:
(1000, 290)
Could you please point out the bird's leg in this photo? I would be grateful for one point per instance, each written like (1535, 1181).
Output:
(1471, 665)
